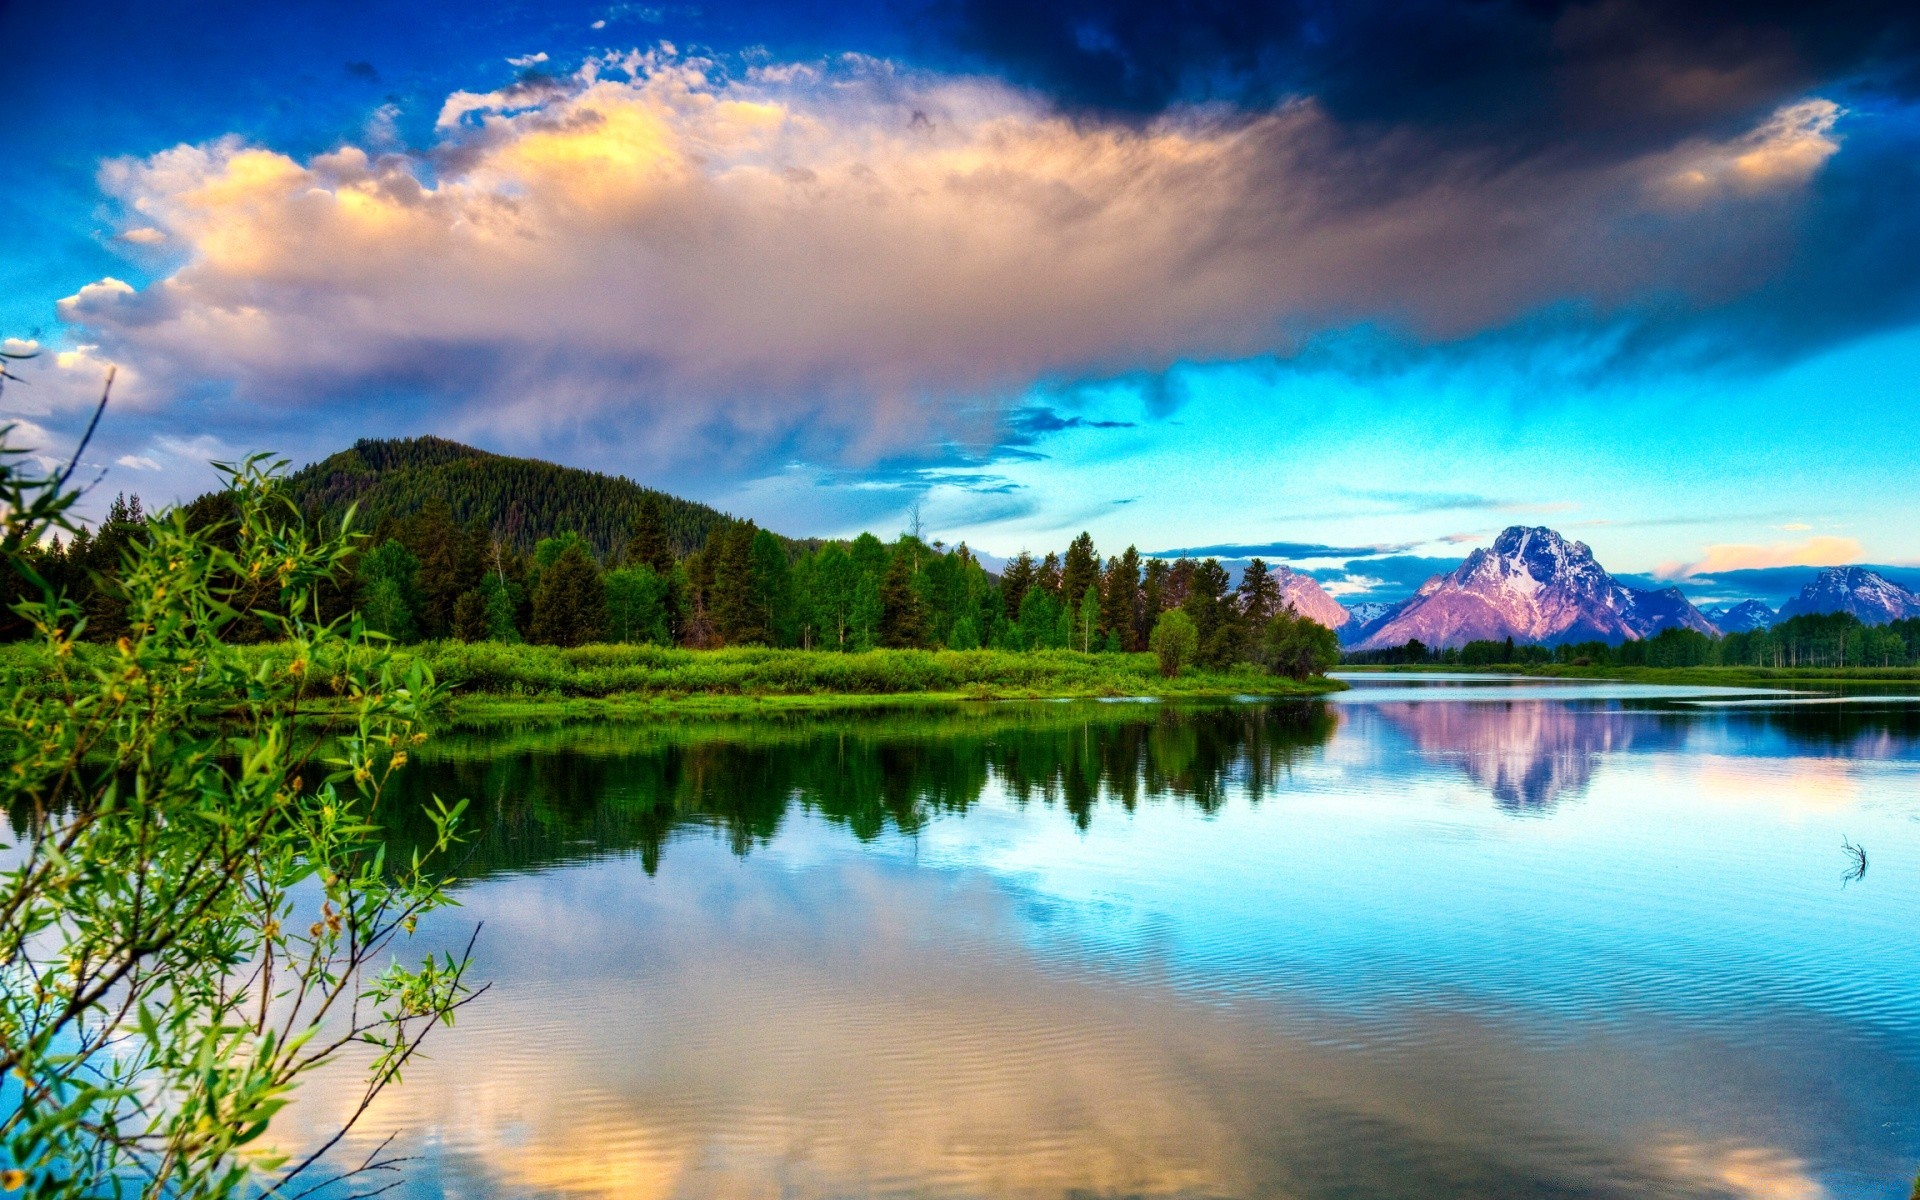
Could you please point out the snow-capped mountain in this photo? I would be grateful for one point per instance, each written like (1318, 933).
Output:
(1868, 595)
(1309, 598)
(1744, 617)
(1365, 617)
(1533, 585)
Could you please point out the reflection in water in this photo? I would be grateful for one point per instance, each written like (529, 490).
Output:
(1245, 950)
(553, 792)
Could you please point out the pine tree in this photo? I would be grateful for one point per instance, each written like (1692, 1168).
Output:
(647, 542)
(1259, 594)
(1047, 578)
(1014, 582)
(736, 617)
(570, 603)
(903, 618)
(1120, 600)
(1082, 569)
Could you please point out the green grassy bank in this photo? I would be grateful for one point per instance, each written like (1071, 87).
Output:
(494, 679)
(1784, 677)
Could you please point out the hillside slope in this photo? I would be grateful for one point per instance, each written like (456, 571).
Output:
(521, 500)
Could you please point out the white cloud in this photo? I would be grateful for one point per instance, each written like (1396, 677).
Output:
(837, 259)
(138, 462)
(528, 60)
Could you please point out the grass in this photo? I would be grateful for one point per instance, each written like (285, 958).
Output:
(494, 679)
(1704, 676)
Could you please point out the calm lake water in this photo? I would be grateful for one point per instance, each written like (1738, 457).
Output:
(1437, 937)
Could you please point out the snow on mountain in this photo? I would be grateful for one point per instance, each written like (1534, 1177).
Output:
(1533, 585)
(1365, 617)
(1868, 595)
(1744, 617)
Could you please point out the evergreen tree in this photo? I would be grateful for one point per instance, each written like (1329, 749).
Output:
(449, 564)
(773, 597)
(1259, 594)
(737, 619)
(1047, 578)
(903, 618)
(647, 542)
(1120, 600)
(1213, 616)
(470, 616)
(570, 601)
(1015, 581)
(1082, 569)
(1153, 599)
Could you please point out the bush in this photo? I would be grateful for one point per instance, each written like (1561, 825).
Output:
(1174, 642)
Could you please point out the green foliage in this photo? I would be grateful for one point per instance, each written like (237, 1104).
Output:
(518, 500)
(569, 601)
(903, 617)
(389, 593)
(1175, 642)
(1297, 646)
(196, 916)
(637, 606)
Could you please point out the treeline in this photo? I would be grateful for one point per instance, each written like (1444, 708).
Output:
(1825, 640)
(425, 577)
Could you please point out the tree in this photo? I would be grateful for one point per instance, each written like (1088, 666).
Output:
(1215, 620)
(1174, 642)
(570, 601)
(1015, 581)
(1153, 599)
(389, 592)
(1297, 646)
(1088, 617)
(773, 599)
(903, 618)
(1047, 577)
(738, 617)
(647, 542)
(637, 606)
(1259, 594)
(188, 903)
(1120, 600)
(1082, 568)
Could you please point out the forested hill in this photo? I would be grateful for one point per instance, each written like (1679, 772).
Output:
(520, 500)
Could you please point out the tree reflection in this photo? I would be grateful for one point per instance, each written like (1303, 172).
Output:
(545, 794)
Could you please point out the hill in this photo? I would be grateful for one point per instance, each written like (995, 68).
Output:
(521, 500)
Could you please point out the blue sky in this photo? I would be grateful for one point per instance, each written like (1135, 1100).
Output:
(1357, 284)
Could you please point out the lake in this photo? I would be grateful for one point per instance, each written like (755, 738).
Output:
(1435, 937)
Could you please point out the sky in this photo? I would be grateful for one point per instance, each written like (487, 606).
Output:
(1350, 286)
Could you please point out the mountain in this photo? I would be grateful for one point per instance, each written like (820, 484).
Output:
(1744, 617)
(1868, 595)
(521, 500)
(1305, 594)
(1533, 585)
(1367, 616)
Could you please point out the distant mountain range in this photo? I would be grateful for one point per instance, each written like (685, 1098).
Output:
(1744, 617)
(1868, 595)
(1533, 585)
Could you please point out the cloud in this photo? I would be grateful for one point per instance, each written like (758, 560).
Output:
(1814, 552)
(838, 260)
(528, 60)
(1277, 550)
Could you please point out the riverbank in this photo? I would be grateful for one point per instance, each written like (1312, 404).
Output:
(495, 680)
(1697, 676)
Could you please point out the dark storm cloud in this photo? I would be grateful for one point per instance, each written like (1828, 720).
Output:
(1627, 69)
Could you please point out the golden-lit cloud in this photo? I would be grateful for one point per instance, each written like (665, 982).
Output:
(844, 254)
(1783, 152)
(1824, 551)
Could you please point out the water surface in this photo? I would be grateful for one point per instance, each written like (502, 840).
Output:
(1434, 938)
